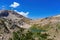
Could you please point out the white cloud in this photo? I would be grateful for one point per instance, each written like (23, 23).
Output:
(15, 4)
(57, 16)
(22, 13)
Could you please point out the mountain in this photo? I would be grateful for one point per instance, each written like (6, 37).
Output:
(14, 26)
(51, 24)
(52, 19)
(11, 21)
(8, 14)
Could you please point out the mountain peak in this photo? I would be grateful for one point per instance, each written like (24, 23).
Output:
(9, 14)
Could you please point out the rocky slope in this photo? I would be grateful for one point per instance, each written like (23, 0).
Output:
(52, 24)
(14, 26)
(11, 21)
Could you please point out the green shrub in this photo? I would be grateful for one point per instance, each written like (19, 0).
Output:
(15, 36)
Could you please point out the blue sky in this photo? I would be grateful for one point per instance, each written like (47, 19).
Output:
(35, 8)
